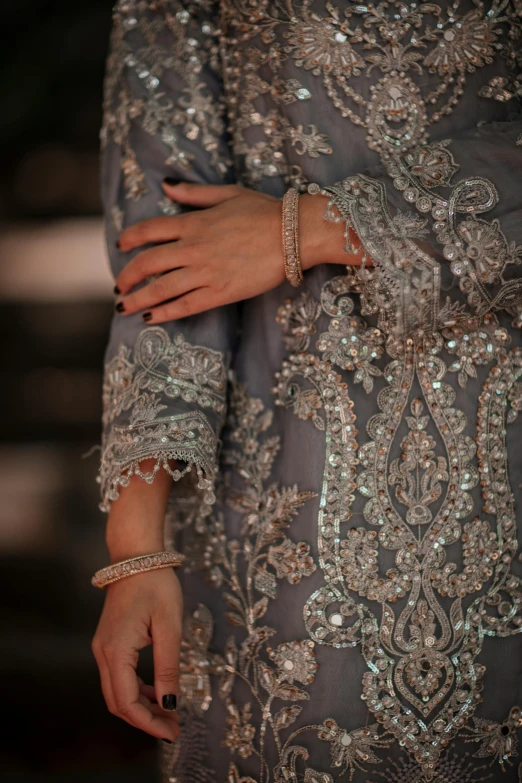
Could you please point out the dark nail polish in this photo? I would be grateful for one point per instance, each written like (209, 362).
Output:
(147, 316)
(171, 181)
(169, 702)
(118, 244)
(117, 290)
(120, 307)
(169, 742)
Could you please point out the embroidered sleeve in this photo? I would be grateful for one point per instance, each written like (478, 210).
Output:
(164, 387)
(442, 225)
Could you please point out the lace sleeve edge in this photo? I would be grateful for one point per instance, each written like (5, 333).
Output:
(116, 473)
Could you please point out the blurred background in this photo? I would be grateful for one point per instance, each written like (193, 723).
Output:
(56, 304)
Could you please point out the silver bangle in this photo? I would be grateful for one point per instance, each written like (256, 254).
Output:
(293, 270)
(136, 565)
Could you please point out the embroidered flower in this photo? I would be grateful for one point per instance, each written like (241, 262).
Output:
(498, 739)
(350, 749)
(297, 318)
(318, 45)
(424, 673)
(467, 44)
(475, 342)
(433, 165)
(291, 561)
(351, 345)
(240, 732)
(486, 248)
(295, 661)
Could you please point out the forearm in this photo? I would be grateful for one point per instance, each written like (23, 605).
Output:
(135, 524)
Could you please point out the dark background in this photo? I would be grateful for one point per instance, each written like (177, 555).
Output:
(56, 305)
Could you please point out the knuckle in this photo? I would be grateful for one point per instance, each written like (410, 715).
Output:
(122, 708)
(109, 648)
(220, 285)
(140, 265)
(160, 288)
(168, 674)
(184, 306)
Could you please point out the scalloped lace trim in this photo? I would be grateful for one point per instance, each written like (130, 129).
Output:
(141, 388)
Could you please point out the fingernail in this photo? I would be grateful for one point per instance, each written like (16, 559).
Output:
(171, 181)
(117, 290)
(120, 307)
(169, 742)
(169, 701)
(147, 316)
(118, 244)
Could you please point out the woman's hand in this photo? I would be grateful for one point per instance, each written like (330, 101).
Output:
(228, 250)
(141, 610)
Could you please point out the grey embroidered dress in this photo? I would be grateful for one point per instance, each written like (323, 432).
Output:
(349, 490)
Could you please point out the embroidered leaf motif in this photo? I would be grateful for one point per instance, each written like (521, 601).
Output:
(286, 716)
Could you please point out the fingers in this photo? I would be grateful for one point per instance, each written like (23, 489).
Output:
(146, 232)
(153, 261)
(168, 229)
(105, 679)
(166, 642)
(200, 195)
(196, 301)
(168, 286)
(128, 700)
(147, 691)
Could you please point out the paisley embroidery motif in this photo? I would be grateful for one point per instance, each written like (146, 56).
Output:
(420, 655)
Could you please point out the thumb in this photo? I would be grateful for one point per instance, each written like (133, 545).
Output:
(166, 643)
(199, 195)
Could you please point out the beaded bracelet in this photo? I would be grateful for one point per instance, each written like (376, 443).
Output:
(293, 270)
(136, 565)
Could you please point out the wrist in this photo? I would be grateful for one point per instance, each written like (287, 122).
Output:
(321, 241)
(136, 521)
(127, 538)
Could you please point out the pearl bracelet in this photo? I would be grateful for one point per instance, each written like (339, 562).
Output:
(136, 565)
(293, 270)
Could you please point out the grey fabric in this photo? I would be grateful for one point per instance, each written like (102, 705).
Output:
(353, 597)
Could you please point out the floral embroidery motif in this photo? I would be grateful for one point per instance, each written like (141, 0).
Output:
(464, 45)
(291, 561)
(153, 43)
(349, 750)
(337, 44)
(498, 739)
(475, 343)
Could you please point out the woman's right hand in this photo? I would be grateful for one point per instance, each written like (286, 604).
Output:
(140, 610)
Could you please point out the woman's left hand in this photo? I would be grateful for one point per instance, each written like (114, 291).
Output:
(228, 250)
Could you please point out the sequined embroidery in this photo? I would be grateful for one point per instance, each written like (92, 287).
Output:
(144, 383)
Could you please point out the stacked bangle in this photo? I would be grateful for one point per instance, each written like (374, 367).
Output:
(136, 565)
(293, 270)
